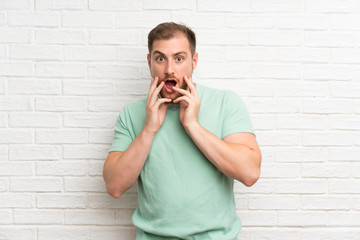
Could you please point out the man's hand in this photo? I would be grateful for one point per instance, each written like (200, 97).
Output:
(154, 116)
(189, 104)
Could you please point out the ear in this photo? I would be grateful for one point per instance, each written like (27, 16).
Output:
(148, 59)
(195, 60)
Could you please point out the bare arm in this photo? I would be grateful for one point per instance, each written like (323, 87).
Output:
(237, 155)
(121, 169)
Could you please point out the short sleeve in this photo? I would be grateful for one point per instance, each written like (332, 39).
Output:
(236, 118)
(122, 135)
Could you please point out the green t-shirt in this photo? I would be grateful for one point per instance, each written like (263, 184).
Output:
(181, 193)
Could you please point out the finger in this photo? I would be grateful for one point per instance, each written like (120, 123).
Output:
(164, 101)
(183, 98)
(152, 87)
(182, 91)
(155, 93)
(191, 85)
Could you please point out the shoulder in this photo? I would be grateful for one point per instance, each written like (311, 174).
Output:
(134, 108)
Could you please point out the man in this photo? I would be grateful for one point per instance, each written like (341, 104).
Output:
(185, 144)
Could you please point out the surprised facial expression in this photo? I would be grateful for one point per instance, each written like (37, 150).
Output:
(171, 60)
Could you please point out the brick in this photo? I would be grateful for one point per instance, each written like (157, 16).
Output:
(16, 5)
(62, 136)
(16, 169)
(320, 55)
(118, 37)
(124, 216)
(140, 19)
(86, 151)
(16, 200)
(90, 53)
(251, 22)
(17, 69)
(345, 186)
(325, 170)
(34, 119)
(102, 136)
(34, 19)
(263, 186)
(112, 233)
(34, 86)
(14, 35)
(257, 218)
(2, 19)
(61, 200)
(16, 103)
(223, 37)
(302, 219)
(280, 170)
(60, 104)
(225, 6)
(330, 233)
(60, 37)
(301, 89)
(88, 87)
(345, 219)
(263, 122)
(261, 202)
(3, 54)
(327, 139)
(325, 203)
(302, 122)
(63, 232)
(110, 104)
(90, 120)
(223, 70)
(301, 186)
(93, 217)
(84, 184)
(280, 233)
(38, 217)
(61, 168)
(355, 202)
(87, 19)
(3, 120)
(291, 6)
(249, 88)
(345, 22)
(4, 185)
(250, 54)
(105, 201)
(343, 55)
(5, 217)
(18, 232)
(275, 71)
(325, 39)
(113, 5)
(169, 5)
(345, 122)
(137, 53)
(75, 70)
(355, 170)
(139, 89)
(311, 22)
(61, 5)
(16, 136)
(35, 52)
(329, 72)
(34, 152)
(106, 71)
(327, 106)
(330, 6)
(344, 154)
(96, 168)
(297, 154)
(38, 184)
(4, 153)
(350, 90)
(274, 105)
(271, 38)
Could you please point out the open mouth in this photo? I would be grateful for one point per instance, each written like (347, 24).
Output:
(169, 84)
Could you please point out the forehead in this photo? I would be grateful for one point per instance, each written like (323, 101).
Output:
(178, 43)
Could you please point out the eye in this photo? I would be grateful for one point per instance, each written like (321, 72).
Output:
(160, 59)
(179, 59)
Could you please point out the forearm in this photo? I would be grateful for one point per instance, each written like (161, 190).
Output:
(121, 171)
(237, 161)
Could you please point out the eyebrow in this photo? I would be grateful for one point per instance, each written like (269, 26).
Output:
(158, 52)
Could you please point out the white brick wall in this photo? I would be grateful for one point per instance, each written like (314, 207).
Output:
(68, 67)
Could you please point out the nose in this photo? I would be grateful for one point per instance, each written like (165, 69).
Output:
(169, 68)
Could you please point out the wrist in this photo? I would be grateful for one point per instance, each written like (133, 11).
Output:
(148, 133)
(192, 128)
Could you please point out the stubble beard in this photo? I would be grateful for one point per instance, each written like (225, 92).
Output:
(174, 95)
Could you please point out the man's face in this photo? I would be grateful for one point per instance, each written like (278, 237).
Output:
(171, 60)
